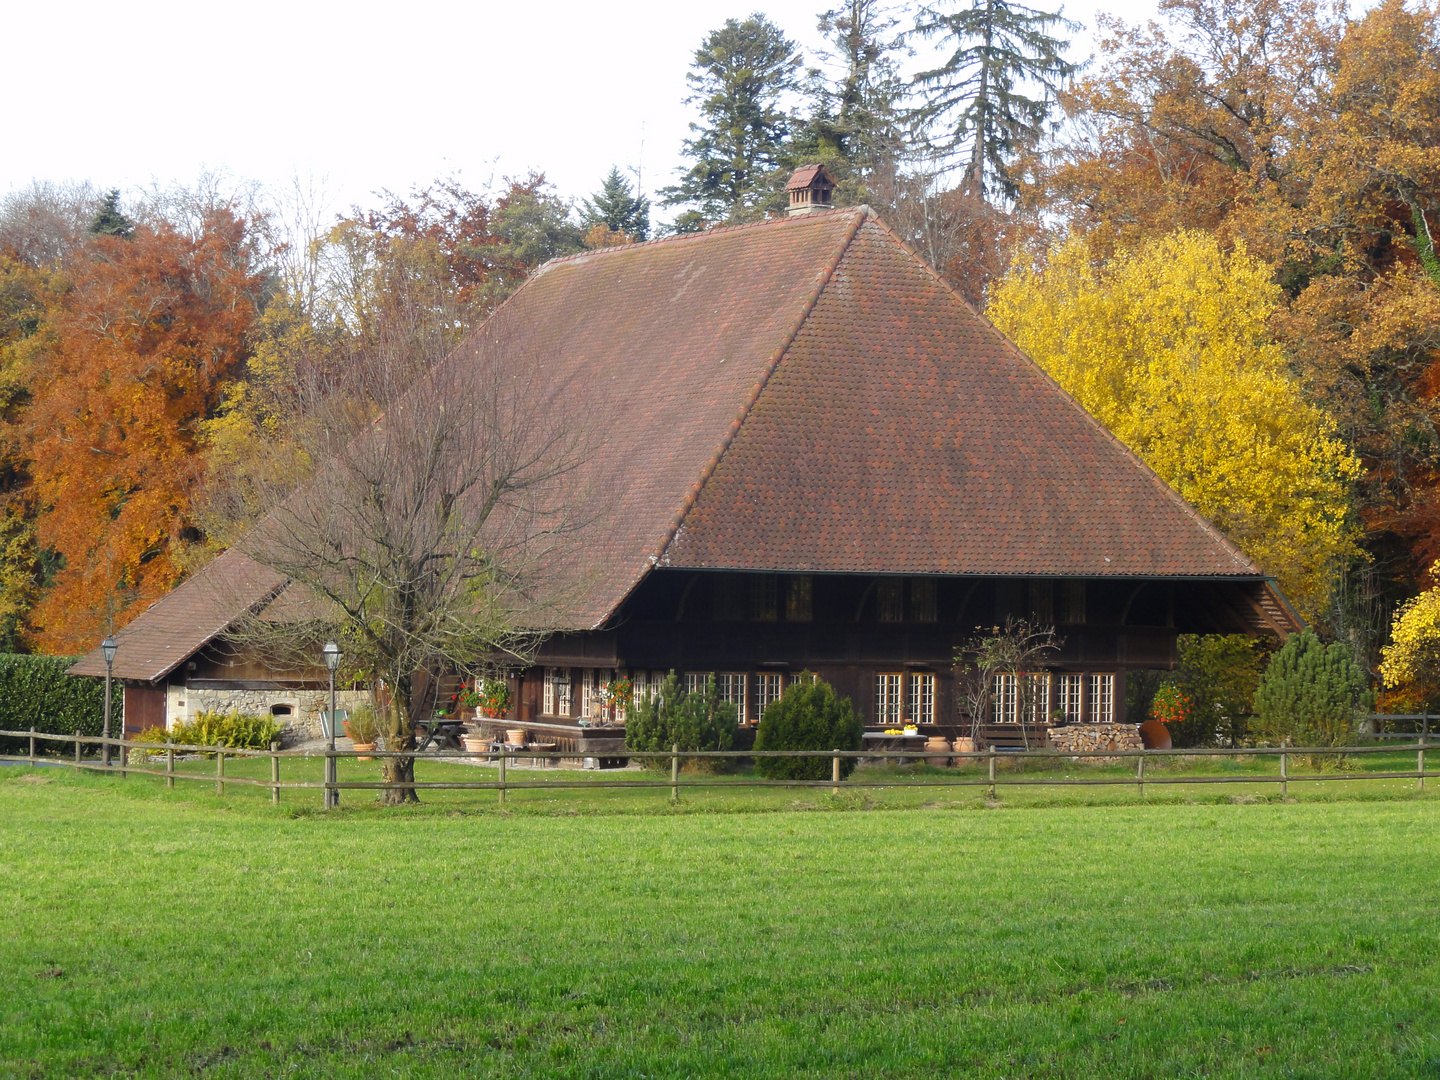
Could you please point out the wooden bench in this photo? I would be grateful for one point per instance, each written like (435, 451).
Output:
(1031, 736)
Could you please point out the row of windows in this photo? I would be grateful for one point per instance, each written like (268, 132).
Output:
(751, 693)
(1065, 698)
(768, 597)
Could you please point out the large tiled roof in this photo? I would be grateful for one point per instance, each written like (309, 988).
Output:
(799, 395)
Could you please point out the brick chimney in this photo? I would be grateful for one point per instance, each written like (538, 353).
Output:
(810, 189)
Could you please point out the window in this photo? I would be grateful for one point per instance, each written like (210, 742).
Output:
(803, 677)
(1042, 602)
(767, 689)
(557, 692)
(764, 597)
(730, 597)
(922, 599)
(695, 681)
(890, 600)
(798, 598)
(731, 685)
(889, 704)
(921, 704)
(639, 687)
(1067, 697)
(592, 700)
(1072, 601)
(1021, 697)
(1102, 699)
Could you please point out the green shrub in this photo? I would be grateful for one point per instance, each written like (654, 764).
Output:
(35, 691)
(675, 717)
(808, 716)
(1310, 694)
(237, 730)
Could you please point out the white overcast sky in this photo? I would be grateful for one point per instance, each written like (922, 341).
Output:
(363, 96)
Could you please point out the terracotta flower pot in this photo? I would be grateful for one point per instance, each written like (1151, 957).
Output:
(363, 747)
(516, 736)
(939, 750)
(1154, 735)
(964, 745)
(475, 744)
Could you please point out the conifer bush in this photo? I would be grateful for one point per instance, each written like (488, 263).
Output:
(1311, 694)
(676, 717)
(808, 716)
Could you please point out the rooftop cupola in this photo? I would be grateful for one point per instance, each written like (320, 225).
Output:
(810, 189)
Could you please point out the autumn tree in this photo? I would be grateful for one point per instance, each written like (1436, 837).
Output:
(1169, 348)
(150, 329)
(742, 78)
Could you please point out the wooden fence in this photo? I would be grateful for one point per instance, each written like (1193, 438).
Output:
(504, 758)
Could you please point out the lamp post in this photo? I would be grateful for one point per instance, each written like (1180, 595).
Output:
(108, 648)
(331, 652)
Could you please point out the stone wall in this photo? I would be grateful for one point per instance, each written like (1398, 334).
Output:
(182, 703)
(1080, 738)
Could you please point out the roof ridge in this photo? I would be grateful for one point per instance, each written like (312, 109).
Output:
(681, 238)
(1135, 459)
(861, 215)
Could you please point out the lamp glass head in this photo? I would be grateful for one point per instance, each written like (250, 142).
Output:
(331, 652)
(109, 647)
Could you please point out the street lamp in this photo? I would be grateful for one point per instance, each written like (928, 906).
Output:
(108, 648)
(331, 652)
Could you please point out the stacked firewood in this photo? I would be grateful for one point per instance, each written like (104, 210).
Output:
(1084, 738)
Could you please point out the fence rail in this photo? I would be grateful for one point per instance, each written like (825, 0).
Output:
(124, 765)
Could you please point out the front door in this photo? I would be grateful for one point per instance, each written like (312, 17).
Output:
(144, 708)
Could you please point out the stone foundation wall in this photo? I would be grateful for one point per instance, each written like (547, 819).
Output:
(182, 703)
(1080, 738)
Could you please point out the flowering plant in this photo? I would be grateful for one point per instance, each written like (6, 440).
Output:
(492, 697)
(1171, 705)
(618, 692)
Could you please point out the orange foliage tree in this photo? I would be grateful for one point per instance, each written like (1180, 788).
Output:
(140, 347)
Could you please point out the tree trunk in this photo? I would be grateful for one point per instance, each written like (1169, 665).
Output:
(399, 735)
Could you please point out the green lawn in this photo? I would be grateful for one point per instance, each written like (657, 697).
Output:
(157, 934)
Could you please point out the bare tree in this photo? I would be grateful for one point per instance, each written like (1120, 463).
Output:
(429, 531)
(1018, 650)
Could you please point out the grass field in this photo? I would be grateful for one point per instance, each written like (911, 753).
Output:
(164, 934)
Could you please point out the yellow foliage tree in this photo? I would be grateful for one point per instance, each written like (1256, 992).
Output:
(1412, 659)
(1168, 347)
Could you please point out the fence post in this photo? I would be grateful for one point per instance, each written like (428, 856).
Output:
(835, 773)
(170, 766)
(124, 755)
(77, 747)
(504, 757)
(220, 773)
(1420, 765)
(992, 771)
(275, 773)
(1140, 774)
(674, 772)
(1284, 781)
(32, 744)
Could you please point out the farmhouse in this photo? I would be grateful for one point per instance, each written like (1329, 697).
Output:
(821, 459)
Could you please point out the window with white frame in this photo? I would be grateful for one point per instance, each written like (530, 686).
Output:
(921, 704)
(767, 689)
(889, 697)
(695, 680)
(557, 691)
(639, 687)
(1038, 707)
(1102, 699)
(1021, 697)
(731, 688)
(1003, 694)
(1067, 697)
(590, 682)
(803, 677)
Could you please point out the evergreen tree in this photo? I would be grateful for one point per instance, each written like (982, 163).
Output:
(975, 99)
(618, 208)
(1310, 694)
(742, 74)
(109, 221)
(808, 716)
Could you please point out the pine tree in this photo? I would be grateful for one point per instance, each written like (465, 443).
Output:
(1310, 694)
(855, 127)
(109, 221)
(742, 74)
(618, 208)
(974, 98)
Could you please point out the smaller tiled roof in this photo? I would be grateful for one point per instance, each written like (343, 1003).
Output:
(185, 620)
(805, 177)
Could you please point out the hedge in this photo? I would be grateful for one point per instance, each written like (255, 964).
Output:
(35, 691)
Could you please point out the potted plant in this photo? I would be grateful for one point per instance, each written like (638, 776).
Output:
(363, 727)
(492, 698)
(616, 697)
